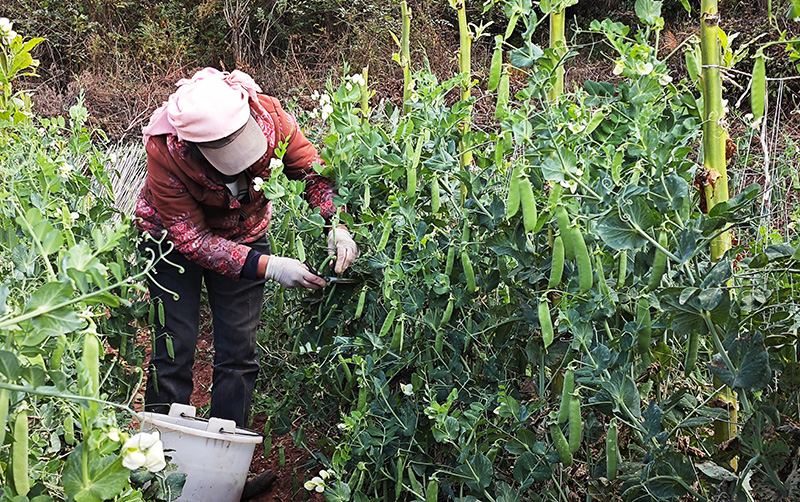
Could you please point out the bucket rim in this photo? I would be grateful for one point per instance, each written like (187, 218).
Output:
(241, 435)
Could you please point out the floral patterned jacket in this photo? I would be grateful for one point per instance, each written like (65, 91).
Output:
(186, 197)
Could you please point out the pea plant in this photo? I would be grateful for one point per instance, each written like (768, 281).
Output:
(545, 322)
(70, 289)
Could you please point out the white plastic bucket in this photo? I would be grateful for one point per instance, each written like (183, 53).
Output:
(214, 453)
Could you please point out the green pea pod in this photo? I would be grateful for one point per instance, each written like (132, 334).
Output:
(529, 213)
(69, 428)
(170, 346)
(432, 491)
(19, 454)
(300, 248)
(469, 272)
(758, 87)
(58, 354)
(367, 197)
(566, 395)
(561, 444)
(436, 202)
(91, 361)
(691, 353)
(361, 299)
(575, 425)
(557, 264)
(611, 451)
(387, 323)
(398, 338)
(546, 323)
(448, 312)
(601, 282)
(623, 268)
(387, 230)
(4, 401)
(451, 256)
(362, 399)
(438, 344)
(692, 66)
(398, 248)
(659, 263)
(496, 66)
(411, 182)
(398, 487)
(644, 322)
(585, 273)
(567, 233)
(503, 92)
(512, 204)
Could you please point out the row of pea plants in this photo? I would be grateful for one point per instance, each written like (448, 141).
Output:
(70, 294)
(544, 323)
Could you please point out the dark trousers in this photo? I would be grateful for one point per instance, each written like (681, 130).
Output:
(236, 312)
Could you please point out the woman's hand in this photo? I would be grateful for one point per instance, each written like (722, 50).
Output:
(291, 273)
(342, 245)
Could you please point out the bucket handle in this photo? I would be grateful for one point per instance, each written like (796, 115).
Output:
(221, 423)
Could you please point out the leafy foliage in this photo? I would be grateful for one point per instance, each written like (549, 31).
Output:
(445, 365)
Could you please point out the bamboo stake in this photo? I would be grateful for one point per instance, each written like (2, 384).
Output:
(714, 162)
(465, 67)
(405, 56)
(558, 42)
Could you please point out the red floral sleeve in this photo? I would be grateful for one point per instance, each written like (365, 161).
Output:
(171, 205)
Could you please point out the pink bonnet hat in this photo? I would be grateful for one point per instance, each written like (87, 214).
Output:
(212, 110)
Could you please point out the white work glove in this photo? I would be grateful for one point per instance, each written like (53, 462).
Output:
(292, 273)
(342, 245)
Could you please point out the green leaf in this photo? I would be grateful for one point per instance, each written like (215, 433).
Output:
(751, 364)
(9, 365)
(50, 321)
(526, 56)
(619, 234)
(172, 487)
(648, 10)
(478, 472)
(104, 479)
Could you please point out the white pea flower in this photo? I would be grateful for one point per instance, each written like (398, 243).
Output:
(275, 163)
(342, 426)
(144, 450)
(10, 36)
(644, 68)
(664, 79)
(619, 67)
(324, 99)
(327, 110)
(74, 216)
(324, 474)
(348, 86)
(5, 24)
(65, 168)
(258, 183)
(315, 95)
(113, 435)
(315, 484)
(407, 388)
(414, 97)
(358, 79)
